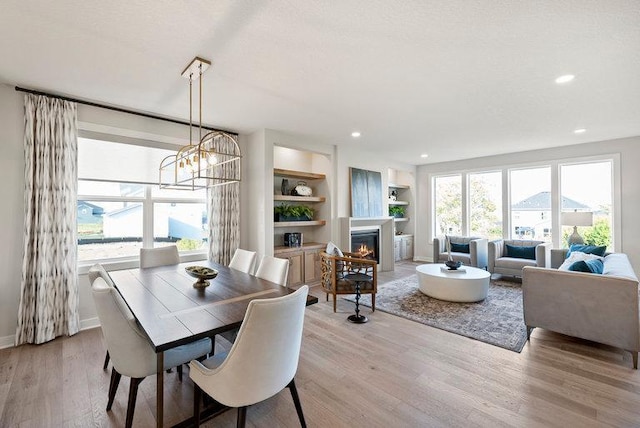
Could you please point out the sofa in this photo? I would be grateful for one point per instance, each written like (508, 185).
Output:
(474, 250)
(503, 263)
(599, 307)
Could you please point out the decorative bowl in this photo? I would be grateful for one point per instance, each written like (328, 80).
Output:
(453, 265)
(202, 273)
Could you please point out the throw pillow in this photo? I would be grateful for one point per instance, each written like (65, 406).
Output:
(333, 250)
(521, 252)
(587, 249)
(577, 256)
(459, 248)
(589, 266)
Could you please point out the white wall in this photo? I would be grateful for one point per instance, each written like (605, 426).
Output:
(629, 153)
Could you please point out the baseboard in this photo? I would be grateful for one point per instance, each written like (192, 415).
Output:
(9, 341)
(423, 259)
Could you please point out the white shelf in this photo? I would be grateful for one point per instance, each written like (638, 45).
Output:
(398, 202)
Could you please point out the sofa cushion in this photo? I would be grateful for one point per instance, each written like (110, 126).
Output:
(589, 266)
(521, 252)
(587, 249)
(513, 263)
(617, 264)
(577, 256)
(459, 248)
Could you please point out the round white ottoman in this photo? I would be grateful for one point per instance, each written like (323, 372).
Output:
(472, 285)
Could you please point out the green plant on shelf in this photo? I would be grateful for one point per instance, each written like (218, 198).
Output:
(396, 211)
(286, 212)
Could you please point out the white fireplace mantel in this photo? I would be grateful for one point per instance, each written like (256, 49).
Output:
(384, 224)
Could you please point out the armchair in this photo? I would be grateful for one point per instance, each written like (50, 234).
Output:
(509, 256)
(334, 268)
(475, 257)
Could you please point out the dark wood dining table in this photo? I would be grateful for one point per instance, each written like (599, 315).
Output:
(172, 312)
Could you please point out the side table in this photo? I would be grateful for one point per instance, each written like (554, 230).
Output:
(358, 279)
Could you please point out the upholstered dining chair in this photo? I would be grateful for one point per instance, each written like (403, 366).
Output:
(273, 269)
(161, 256)
(262, 361)
(98, 271)
(243, 260)
(334, 269)
(131, 353)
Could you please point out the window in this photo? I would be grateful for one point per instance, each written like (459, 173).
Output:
(587, 187)
(485, 210)
(121, 209)
(531, 203)
(448, 205)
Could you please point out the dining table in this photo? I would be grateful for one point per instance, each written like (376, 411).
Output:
(172, 310)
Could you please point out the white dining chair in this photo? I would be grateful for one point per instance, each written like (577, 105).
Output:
(161, 256)
(273, 269)
(243, 261)
(131, 353)
(262, 361)
(98, 271)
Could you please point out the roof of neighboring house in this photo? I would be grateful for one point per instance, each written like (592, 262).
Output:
(124, 211)
(96, 208)
(542, 202)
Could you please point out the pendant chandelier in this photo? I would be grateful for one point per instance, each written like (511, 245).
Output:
(213, 160)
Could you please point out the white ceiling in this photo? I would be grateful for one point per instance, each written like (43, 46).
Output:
(455, 79)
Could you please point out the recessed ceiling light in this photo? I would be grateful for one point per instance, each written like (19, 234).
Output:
(579, 131)
(565, 79)
(424, 155)
(355, 134)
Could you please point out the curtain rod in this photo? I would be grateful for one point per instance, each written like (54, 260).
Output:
(118, 109)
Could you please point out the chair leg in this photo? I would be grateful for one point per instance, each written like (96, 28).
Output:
(133, 393)
(373, 302)
(197, 396)
(326, 295)
(634, 357)
(242, 417)
(106, 361)
(296, 402)
(113, 387)
(529, 331)
(335, 299)
(179, 372)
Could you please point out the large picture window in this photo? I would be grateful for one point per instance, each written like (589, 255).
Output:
(121, 209)
(531, 203)
(485, 210)
(448, 205)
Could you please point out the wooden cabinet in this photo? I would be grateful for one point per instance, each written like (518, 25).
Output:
(403, 247)
(304, 263)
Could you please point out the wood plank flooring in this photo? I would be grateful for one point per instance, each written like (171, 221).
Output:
(390, 372)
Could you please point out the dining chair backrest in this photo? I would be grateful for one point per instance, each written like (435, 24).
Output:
(98, 271)
(243, 261)
(129, 349)
(272, 328)
(161, 256)
(273, 269)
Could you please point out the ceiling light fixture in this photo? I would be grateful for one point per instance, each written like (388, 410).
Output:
(355, 134)
(424, 155)
(579, 131)
(565, 79)
(213, 161)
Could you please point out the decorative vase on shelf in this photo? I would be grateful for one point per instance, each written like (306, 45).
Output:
(284, 187)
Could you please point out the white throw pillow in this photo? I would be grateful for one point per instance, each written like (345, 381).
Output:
(332, 249)
(577, 256)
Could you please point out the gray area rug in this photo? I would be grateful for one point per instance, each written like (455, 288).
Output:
(496, 320)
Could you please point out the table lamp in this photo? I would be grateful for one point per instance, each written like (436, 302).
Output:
(575, 219)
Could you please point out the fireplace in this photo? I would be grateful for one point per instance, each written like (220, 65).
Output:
(366, 243)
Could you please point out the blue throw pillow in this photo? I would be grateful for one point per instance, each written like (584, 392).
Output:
(590, 266)
(520, 252)
(587, 249)
(459, 248)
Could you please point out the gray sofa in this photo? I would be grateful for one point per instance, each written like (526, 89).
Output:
(599, 307)
(476, 257)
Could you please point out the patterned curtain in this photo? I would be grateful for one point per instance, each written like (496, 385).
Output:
(49, 289)
(224, 209)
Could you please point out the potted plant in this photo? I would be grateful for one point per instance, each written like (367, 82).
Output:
(396, 211)
(286, 212)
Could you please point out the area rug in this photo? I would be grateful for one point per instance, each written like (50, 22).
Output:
(496, 320)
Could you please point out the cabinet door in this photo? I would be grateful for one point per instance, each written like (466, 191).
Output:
(311, 266)
(296, 267)
(397, 245)
(408, 247)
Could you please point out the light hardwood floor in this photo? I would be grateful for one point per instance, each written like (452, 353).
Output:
(390, 372)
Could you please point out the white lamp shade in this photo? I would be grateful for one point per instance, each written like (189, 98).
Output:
(575, 218)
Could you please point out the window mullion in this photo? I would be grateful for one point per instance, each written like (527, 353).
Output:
(147, 219)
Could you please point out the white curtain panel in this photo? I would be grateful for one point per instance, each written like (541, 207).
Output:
(49, 287)
(224, 212)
